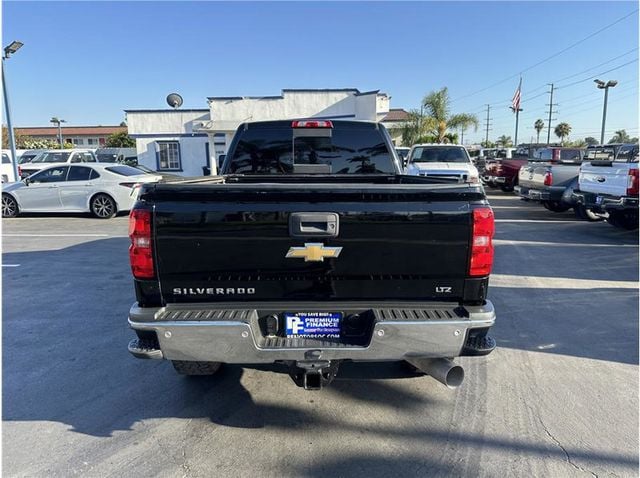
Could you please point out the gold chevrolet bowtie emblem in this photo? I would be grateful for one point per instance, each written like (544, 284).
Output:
(313, 252)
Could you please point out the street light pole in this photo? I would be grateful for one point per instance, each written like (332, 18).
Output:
(8, 51)
(604, 86)
(59, 122)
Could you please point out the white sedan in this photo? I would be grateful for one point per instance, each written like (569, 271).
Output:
(102, 189)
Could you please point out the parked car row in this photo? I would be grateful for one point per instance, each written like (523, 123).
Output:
(599, 182)
(101, 189)
(74, 180)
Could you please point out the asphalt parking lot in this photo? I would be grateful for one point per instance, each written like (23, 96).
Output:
(559, 397)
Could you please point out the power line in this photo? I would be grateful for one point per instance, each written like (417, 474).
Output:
(549, 57)
(599, 74)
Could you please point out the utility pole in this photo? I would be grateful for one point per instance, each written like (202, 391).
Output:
(486, 139)
(551, 105)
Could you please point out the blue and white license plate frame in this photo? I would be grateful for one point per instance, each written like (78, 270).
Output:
(313, 325)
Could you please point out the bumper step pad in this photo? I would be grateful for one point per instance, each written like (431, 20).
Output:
(479, 345)
(145, 349)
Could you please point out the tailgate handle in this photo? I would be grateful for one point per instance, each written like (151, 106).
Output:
(313, 224)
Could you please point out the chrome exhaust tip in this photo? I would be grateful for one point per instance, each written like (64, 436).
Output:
(442, 369)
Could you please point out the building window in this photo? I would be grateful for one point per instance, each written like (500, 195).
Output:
(78, 141)
(169, 156)
(91, 141)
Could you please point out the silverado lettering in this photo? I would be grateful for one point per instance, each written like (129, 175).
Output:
(213, 291)
(410, 284)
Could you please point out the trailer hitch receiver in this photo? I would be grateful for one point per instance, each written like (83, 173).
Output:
(313, 374)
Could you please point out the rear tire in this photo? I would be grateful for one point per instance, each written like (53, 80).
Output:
(184, 367)
(103, 206)
(9, 206)
(585, 214)
(555, 206)
(628, 221)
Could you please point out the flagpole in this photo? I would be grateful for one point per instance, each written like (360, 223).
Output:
(515, 141)
(517, 97)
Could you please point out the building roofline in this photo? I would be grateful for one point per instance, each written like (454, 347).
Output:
(69, 126)
(169, 110)
(292, 90)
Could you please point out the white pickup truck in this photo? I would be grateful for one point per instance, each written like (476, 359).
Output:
(609, 184)
(442, 161)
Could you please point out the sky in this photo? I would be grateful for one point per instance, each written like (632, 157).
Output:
(86, 62)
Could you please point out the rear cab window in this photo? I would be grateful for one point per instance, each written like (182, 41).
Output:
(627, 154)
(280, 148)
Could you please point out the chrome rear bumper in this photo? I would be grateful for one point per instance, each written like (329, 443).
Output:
(214, 334)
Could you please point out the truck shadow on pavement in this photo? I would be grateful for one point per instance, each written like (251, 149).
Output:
(65, 360)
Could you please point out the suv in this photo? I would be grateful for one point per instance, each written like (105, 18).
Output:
(54, 157)
(442, 161)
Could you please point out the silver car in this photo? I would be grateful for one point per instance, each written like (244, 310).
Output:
(102, 189)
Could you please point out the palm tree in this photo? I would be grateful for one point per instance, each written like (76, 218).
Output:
(416, 126)
(620, 136)
(562, 131)
(539, 126)
(504, 141)
(436, 105)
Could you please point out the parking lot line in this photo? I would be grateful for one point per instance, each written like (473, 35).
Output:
(59, 235)
(539, 282)
(505, 242)
(555, 221)
(10, 265)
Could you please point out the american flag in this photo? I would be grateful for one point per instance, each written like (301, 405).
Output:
(515, 102)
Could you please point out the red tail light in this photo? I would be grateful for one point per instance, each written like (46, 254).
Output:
(632, 183)
(19, 173)
(311, 124)
(482, 242)
(128, 185)
(140, 252)
(548, 178)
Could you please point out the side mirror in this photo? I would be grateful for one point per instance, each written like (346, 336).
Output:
(27, 181)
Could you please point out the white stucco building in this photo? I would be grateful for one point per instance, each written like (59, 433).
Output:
(183, 141)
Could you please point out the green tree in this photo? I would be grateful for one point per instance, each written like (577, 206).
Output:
(439, 119)
(620, 136)
(562, 130)
(488, 144)
(539, 126)
(120, 140)
(591, 141)
(578, 143)
(504, 141)
(416, 127)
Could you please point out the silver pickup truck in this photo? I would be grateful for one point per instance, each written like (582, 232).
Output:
(608, 184)
(548, 181)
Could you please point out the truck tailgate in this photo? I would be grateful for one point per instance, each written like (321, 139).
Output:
(605, 178)
(227, 242)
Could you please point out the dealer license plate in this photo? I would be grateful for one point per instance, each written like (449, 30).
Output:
(317, 325)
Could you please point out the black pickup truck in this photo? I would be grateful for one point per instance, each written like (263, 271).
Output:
(310, 249)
